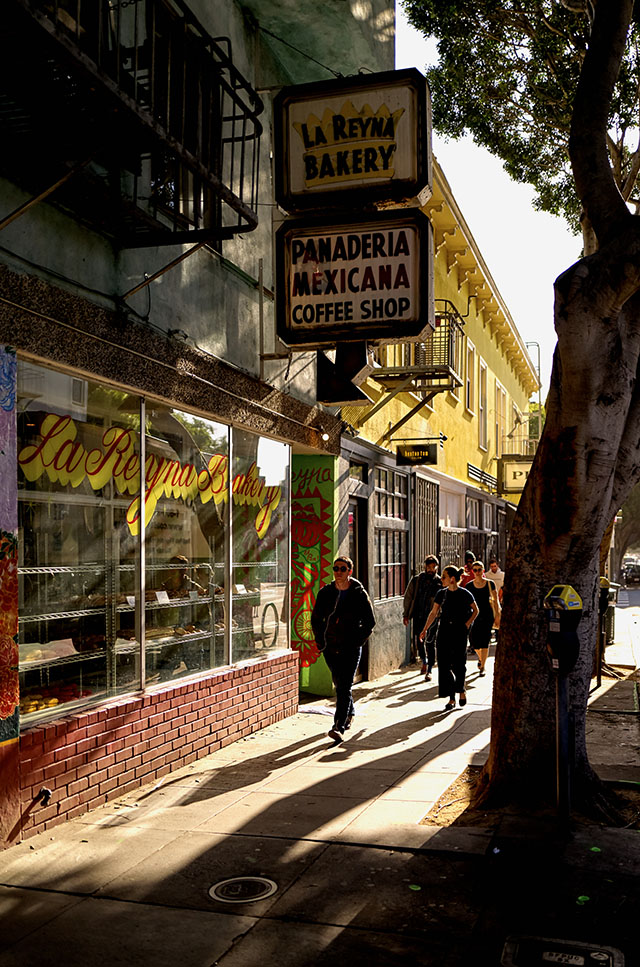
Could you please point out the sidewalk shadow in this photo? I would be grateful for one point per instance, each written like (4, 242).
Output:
(304, 821)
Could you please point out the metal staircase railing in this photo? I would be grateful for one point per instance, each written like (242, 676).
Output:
(169, 122)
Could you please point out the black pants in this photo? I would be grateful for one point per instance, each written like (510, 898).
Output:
(452, 658)
(343, 665)
(427, 648)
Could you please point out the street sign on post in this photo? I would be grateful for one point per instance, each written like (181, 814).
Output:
(365, 279)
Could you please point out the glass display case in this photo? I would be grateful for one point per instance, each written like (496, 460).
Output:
(62, 635)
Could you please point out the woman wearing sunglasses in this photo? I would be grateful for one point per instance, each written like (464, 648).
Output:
(457, 610)
(484, 591)
(342, 619)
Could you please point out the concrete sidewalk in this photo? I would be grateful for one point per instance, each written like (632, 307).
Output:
(336, 827)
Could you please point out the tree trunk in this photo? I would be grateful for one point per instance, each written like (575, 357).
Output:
(588, 460)
(573, 490)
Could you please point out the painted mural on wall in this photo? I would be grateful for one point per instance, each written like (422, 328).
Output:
(9, 689)
(311, 546)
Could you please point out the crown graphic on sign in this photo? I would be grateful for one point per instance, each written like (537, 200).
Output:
(349, 145)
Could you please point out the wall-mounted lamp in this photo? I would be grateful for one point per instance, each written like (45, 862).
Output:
(324, 436)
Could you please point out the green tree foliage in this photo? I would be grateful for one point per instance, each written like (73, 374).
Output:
(507, 75)
(537, 416)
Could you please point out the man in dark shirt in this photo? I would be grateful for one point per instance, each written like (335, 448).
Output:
(418, 601)
(342, 620)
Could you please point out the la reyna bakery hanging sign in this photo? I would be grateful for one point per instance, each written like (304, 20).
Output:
(344, 142)
(61, 456)
(344, 270)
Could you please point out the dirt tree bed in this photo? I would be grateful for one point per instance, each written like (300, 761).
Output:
(613, 739)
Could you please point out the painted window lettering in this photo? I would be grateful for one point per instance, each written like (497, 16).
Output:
(62, 457)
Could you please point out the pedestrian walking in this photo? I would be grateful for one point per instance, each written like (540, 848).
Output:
(418, 601)
(486, 597)
(467, 574)
(342, 620)
(457, 609)
(496, 574)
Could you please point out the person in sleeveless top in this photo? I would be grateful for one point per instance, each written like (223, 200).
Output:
(486, 597)
(456, 608)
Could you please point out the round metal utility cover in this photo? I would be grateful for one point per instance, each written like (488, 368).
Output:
(243, 889)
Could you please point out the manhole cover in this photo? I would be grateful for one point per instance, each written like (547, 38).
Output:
(243, 889)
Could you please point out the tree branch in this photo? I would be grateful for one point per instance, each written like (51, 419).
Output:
(634, 168)
(594, 180)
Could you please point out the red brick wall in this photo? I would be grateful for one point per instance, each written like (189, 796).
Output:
(102, 753)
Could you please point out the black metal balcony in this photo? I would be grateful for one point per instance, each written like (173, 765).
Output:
(431, 366)
(147, 110)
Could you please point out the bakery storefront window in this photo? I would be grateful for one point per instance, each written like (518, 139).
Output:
(76, 479)
(123, 584)
(260, 552)
(186, 520)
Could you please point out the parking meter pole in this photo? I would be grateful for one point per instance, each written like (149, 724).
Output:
(563, 785)
(563, 606)
(600, 649)
(603, 605)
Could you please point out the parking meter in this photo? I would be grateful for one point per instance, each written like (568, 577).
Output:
(563, 605)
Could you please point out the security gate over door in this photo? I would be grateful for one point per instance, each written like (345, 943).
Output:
(425, 521)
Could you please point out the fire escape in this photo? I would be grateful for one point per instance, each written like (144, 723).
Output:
(421, 368)
(131, 116)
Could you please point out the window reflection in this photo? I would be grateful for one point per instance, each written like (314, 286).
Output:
(187, 513)
(77, 442)
(85, 606)
(260, 545)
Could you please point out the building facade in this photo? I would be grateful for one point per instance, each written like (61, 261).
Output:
(150, 419)
(462, 395)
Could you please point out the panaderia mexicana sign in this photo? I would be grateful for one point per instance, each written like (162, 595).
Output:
(365, 279)
(337, 141)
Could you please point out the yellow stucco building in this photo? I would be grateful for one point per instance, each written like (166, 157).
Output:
(466, 390)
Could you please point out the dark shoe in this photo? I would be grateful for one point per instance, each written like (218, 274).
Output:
(423, 670)
(427, 677)
(463, 701)
(447, 707)
(335, 734)
(481, 673)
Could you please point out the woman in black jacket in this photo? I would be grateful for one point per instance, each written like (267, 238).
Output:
(342, 620)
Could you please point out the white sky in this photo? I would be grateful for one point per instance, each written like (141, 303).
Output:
(525, 250)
